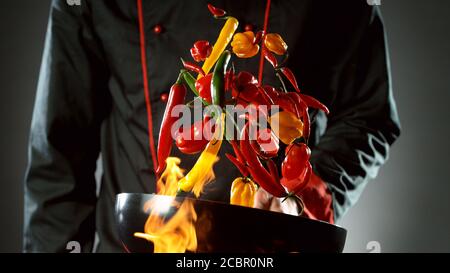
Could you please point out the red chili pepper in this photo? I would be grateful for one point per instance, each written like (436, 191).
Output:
(229, 79)
(237, 152)
(258, 37)
(297, 155)
(289, 104)
(270, 57)
(291, 77)
(266, 144)
(256, 169)
(201, 50)
(241, 167)
(203, 86)
(216, 11)
(245, 86)
(194, 139)
(176, 97)
(269, 94)
(306, 122)
(303, 112)
(193, 67)
(274, 97)
(296, 185)
(273, 169)
(312, 102)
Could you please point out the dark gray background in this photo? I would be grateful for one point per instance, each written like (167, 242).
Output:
(406, 209)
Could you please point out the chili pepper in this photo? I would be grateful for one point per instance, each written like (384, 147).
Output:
(312, 102)
(256, 169)
(218, 79)
(217, 12)
(270, 57)
(190, 81)
(297, 155)
(303, 112)
(203, 86)
(286, 126)
(239, 165)
(201, 50)
(274, 97)
(237, 151)
(258, 37)
(306, 122)
(193, 67)
(245, 86)
(296, 185)
(298, 102)
(287, 103)
(194, 139)
(197, 176)
(273, 169)
(275, 43)
(176, 97)
(243, 45)
(222, 41)
(243, 192)
(291, 77)
(266, 144)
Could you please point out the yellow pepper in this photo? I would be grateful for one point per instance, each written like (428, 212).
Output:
(286, 126)
(243, 46)
(243, 192)
(222, 41)
(275, 43)
(202, 172)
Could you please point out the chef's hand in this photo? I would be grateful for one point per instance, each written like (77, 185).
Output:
(264, 200)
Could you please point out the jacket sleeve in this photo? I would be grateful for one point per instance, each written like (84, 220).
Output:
(363, 122)
(71, 102)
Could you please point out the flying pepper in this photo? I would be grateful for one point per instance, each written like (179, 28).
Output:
(286, 126)
(197, 175)
(243, 44)
(256, 168)
(275, 43)
(176, 97)
(201, 50)
(225, 36)
(194, 139)
(297, 155)
(243, 192)
(218, 79)
(266, 143)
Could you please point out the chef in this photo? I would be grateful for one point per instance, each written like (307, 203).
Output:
(106, 71)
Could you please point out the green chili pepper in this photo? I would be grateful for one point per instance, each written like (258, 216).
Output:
(190, 82)
(218, 79)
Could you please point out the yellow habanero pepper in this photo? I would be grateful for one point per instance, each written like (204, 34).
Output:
(275, 43)
(199, 175)
(243, 46)
(243, 192)
(222, 41)
(286, 126)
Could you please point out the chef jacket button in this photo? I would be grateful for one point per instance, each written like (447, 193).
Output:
(248, 27)
(157, 29)
(164, 97)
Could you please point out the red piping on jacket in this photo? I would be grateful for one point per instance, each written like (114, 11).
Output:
(148, 105)
(261, 60)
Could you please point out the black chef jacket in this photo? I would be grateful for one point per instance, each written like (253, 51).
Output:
(90, 99)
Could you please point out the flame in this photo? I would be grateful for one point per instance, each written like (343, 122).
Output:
(177, 233)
